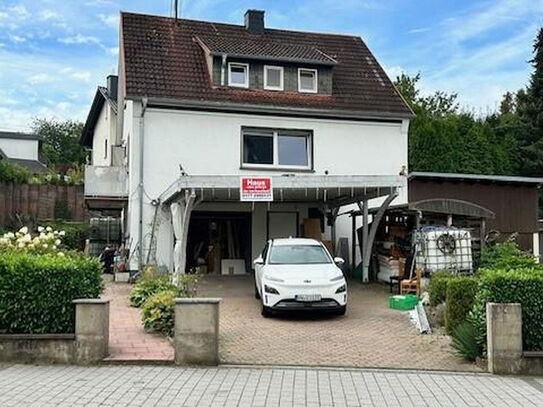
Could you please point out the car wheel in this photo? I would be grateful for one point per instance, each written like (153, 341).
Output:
(257, 294)
(342, 310)
(266, 312)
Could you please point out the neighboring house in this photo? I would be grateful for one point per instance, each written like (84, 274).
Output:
(23, 149)
(202, 104)
(107, 156)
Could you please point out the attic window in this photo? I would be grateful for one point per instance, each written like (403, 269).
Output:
(273, 77)
(307, 80)
(238, 75)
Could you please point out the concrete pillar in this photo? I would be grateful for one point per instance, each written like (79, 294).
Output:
(504, 338)
(91, 329)
(196, 339)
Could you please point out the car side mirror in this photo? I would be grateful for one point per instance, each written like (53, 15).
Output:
(258, 261)
(339, 261)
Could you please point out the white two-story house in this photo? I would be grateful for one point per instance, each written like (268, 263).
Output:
(203, 108)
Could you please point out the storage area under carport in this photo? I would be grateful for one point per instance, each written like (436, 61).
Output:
(369, 335)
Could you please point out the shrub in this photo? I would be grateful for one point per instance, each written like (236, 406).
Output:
(13, 173)
(75, 233)
(36, 291)
(438, 286)
(158, 312)
(524, 286)
(45, 241)
(465, 342)
(460, 297)
(147, 286)
(506, 256)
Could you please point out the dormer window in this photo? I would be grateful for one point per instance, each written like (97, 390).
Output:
(307, 80)
(238, 75)
(273, 77)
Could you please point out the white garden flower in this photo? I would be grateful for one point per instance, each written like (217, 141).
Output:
(21, 245)
(62, 233)
(60, 254)
(49, 229)
(23, 230)
(57, 242)
(45, 246)
(40, 229)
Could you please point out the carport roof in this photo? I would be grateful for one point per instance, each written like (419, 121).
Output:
(334, 190)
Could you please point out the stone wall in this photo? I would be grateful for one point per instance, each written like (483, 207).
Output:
(89, 343)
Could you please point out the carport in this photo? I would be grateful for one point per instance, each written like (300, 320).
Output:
(327, 192)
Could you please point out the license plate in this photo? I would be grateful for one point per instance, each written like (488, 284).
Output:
(307, 297)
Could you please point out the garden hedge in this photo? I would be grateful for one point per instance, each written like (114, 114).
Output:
(524, 286)
(36, 291)
(438, 286)
(460, 295)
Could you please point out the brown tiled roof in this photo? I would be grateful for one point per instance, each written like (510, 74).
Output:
(162, 59)
(259, 47)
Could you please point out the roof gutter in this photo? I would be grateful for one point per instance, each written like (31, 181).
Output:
(228, 107)
(140, 185)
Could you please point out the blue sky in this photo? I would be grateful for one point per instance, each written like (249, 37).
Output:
(53, 53)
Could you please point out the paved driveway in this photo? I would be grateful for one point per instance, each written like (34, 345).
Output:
(369, 335)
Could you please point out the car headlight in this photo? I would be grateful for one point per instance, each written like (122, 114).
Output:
(270, 290)
(271, 278)
(337, 278)
(341, 289)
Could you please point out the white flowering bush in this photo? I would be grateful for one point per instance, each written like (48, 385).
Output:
(45, 241)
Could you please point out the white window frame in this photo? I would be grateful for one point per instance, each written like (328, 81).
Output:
(238, 64)
(316, 73)
(281, 77)
(308, 134)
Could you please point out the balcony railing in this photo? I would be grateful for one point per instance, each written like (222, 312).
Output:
(106, 181)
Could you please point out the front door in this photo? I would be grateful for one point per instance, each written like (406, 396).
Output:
(282, 224)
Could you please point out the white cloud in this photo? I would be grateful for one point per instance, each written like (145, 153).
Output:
(17, 38)
(491, 15)
(80, 39)
(83, 76)
(39, 78)
(111, 20)
(113, 51)
(47, 15)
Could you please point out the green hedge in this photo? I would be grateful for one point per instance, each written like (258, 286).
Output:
(36, 291)
(460, 294)
(13, 173)
(524, 286)
(438, 286)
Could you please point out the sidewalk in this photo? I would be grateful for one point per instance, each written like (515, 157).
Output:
(25, 385)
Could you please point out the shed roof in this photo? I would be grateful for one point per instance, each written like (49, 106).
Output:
(20, 136)
(475, 177)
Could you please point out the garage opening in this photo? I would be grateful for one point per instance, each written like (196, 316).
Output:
(219, 243)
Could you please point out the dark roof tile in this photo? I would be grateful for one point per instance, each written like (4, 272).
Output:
(162, 59)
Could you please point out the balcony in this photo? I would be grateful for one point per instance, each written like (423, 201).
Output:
(105, 186)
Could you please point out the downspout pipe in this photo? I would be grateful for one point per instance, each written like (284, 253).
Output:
(223, 70)
(140, 185)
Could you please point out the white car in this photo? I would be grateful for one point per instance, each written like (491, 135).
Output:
(299, 274)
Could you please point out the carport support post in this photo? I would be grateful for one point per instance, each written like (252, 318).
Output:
(368, 241)
(363, 206)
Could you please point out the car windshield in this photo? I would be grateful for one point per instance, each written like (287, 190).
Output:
(298, 254)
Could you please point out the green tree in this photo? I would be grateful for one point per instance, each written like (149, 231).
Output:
(61, 142)
(530, 112)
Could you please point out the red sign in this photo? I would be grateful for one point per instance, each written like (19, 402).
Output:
(256, 189)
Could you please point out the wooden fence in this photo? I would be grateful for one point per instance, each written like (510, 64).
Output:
(40, 202)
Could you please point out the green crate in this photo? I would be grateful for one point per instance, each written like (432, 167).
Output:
(403, 302)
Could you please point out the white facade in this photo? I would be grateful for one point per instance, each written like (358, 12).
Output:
(25, 149)
(206, 143)
(104, 136)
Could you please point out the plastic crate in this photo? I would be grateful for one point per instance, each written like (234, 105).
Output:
(403, 302)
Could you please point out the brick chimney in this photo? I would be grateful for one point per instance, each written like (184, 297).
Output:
(112, 81)
(254, 21)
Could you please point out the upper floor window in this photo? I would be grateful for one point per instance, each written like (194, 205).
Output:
(267, 148)
(238, 74)
(307, 80)
(273, 77)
